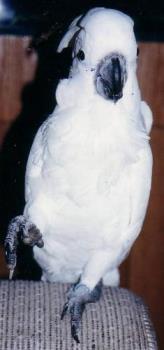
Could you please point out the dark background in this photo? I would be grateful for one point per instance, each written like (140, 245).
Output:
(35, 16)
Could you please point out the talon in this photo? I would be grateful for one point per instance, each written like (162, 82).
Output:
(20, 229)
(40, 243)
(11, 272)
(64, 311)
(74, 333)
(78, 296)
(10, 256)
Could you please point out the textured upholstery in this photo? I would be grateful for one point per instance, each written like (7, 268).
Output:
(30, 319)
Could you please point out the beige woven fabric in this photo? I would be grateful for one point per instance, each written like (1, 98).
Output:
(30, 320)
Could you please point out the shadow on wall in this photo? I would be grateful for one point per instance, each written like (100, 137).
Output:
(38, 101)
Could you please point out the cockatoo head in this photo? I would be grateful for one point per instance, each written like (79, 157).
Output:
(104, 44)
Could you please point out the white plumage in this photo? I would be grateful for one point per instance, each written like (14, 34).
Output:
(88, 175)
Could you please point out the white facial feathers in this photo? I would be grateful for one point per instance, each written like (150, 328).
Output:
(100, 32)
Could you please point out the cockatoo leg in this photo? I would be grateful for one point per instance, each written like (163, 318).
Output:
(78, 296)
(20, 229)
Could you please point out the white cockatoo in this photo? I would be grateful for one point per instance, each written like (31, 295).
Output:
(88, 174)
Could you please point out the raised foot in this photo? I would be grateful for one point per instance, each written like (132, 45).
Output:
(20, 229)
(78, 296)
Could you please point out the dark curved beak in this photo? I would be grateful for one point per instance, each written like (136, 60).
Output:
(111, 76)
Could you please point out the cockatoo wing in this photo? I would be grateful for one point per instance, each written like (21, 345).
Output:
(35, 162)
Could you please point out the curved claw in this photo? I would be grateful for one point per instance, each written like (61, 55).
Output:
(20, 229)
(40, 243)
(11, 272)
(74, 331)
(75, 308)
(65, 308)
(78, 296)
(76, 315)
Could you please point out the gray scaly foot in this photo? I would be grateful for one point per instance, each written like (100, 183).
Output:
(78, 296)
(20, 229)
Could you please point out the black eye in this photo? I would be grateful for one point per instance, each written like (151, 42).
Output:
(81, 55)
(138, 51)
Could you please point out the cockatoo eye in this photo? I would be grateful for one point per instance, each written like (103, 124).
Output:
(81, 55)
